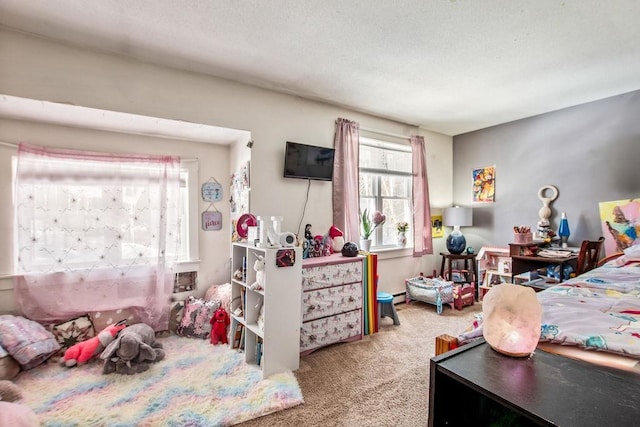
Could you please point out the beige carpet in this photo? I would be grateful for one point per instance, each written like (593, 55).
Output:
(382, 380)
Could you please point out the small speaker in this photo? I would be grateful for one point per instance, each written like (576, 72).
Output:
(287, 239)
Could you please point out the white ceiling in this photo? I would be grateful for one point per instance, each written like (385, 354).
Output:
(451, 66)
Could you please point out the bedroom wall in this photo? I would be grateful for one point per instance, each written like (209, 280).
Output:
(589, 152)
(39, 69)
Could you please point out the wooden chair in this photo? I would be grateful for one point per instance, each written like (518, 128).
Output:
(589, 255)
(606, 259)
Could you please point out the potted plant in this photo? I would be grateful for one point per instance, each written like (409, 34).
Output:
(402, 228)
(369, 224)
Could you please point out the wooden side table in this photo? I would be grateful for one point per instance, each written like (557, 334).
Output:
(468, 259)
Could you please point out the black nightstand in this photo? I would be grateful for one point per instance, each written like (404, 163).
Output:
(477, 386)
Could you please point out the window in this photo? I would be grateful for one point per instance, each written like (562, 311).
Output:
(385, 186)
(187, 254)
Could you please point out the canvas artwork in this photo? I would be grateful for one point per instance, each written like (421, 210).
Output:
(484, 184)
(436, 226)
(620, 224)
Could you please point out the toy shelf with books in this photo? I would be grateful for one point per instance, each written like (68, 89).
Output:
(265, 306)
(494, 267)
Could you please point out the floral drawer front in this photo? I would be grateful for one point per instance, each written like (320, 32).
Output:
(328, 301)
(329, 330)
(331, 275)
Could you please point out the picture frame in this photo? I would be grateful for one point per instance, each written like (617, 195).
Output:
(437, 229)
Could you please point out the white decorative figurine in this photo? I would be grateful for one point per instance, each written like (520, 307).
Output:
(545, 211)
(258, 266)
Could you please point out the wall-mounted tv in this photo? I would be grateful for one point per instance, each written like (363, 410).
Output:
(308, 161)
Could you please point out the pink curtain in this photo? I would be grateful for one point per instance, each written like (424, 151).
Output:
(423, 244)
(346, 193)
(95, 232)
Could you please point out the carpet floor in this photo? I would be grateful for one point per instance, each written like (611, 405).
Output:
(381, 380)
(197, 384)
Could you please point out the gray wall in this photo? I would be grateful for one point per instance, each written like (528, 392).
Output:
(590, 152)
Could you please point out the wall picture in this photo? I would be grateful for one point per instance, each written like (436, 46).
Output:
(437, 230)
(484, 184)
(620, 224)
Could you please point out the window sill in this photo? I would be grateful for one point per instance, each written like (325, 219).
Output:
(390, 253)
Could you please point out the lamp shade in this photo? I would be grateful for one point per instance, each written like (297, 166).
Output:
(458, 216)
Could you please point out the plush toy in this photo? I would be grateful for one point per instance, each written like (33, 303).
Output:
(81, 352)
(258, 266)
(219, 322)
(132, 351)
(337, 239)
(9, 392)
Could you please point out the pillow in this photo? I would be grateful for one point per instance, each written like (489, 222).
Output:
(220, 293)
(176, 311)
(17, 415)
(102, 319)
(73, 331)
(196, 317)
(28, 342)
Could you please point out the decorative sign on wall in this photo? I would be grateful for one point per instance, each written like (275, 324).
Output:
(211, 220)
(212, 191)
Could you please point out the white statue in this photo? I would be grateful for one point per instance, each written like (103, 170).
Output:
(545, 211)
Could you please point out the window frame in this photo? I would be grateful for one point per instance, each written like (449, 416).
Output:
(377, 188)
(190, 255)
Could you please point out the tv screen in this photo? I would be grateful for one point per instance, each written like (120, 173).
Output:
(308, 161)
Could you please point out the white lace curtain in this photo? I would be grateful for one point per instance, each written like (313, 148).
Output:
(95, 232)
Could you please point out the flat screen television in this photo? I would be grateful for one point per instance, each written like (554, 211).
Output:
(308, 161)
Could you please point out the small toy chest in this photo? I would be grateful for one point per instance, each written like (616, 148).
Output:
(430, 290)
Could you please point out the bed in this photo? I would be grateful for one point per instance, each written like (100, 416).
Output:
(594, 316)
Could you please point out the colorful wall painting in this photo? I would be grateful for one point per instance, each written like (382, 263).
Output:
(484, 184)
(437, 230)
(620, 224)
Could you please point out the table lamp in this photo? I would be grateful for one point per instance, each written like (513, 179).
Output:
(457, 217)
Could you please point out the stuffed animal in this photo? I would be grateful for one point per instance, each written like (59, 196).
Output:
(81, 352)
(219, 322)
(258, 266)
(132, 351)
(9, 392)
(336, 238)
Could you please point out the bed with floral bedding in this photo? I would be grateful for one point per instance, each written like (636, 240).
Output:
(598, 311)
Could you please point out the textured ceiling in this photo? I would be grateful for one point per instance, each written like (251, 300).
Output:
(451, 66)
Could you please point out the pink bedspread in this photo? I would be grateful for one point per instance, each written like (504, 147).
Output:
(598, 310)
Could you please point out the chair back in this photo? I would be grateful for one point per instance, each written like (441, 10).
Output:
(589, 255)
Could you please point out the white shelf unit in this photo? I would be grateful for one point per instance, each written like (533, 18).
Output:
(281, 298)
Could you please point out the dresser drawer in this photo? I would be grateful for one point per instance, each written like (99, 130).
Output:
(331, 275)
(329, 330)
(328, 301)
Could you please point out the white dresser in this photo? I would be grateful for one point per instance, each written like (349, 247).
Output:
(332, 298)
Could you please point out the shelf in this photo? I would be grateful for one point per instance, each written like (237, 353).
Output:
(278, 303)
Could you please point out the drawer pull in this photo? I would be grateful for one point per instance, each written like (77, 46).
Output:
(351, 299)
(312, 337)
(350, 325)
(311, 308)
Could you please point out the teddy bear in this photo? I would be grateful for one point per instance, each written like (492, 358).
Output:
(259, 266)
(219, 322)
(132, 351)
(81, 352)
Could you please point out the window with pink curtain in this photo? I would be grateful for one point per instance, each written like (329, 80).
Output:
(94, 232)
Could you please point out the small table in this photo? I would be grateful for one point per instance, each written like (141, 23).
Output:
(522, 264)
(466, 258)
(523, 260)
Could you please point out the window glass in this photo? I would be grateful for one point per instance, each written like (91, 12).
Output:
(385, 185)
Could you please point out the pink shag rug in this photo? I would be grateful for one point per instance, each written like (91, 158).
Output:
(197, 384)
